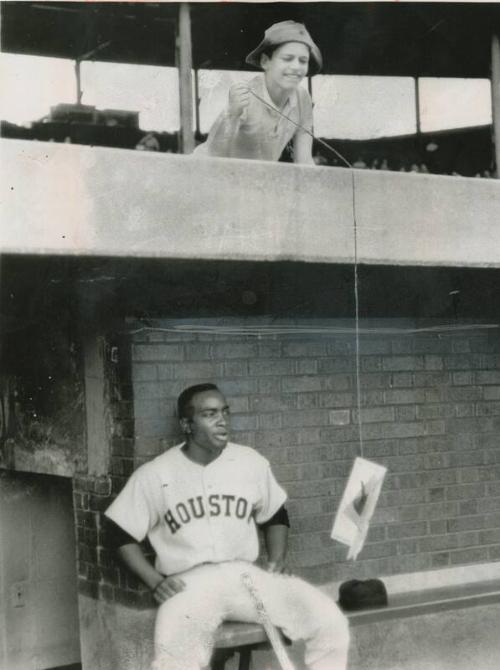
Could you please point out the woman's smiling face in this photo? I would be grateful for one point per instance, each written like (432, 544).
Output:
(287, 65)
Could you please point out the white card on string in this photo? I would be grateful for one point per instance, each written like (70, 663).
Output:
(358, 504)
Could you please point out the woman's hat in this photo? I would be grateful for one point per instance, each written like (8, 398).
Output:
(287, 31)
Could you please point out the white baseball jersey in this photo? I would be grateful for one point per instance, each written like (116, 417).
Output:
(195, 513)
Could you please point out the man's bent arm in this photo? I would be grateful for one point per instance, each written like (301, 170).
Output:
(276, 541)
(133, 557)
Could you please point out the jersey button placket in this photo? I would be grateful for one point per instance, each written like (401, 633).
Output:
(207, 489)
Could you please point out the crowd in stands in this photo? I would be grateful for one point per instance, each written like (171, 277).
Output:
(466, 155)
(402, 165)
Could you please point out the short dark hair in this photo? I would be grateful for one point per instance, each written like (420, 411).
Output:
(184, 399)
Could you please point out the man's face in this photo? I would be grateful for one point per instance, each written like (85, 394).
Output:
(208, 425)
(287, 66)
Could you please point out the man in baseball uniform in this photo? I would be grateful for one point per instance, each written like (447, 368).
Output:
(200, 504)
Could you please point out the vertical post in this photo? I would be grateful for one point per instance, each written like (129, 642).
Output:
(185, 59)
(197, 103)
(79, 92)
(495, 98)
(417, 105)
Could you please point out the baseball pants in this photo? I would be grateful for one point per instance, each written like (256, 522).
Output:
(186, 623)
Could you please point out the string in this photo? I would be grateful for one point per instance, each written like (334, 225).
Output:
(356, 275)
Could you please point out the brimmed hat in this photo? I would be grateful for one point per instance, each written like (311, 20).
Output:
(286, 31)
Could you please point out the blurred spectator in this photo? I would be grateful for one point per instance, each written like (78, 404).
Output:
(384, 165)
(148, 143)
(359, 163)
(375, 164)
(319, 159)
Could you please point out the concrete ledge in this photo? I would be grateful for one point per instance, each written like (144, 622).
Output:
(430, 601)
(79, 200)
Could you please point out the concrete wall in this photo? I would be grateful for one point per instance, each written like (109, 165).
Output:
(38, 596)
(68, 199)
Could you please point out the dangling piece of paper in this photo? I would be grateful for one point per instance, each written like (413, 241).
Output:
(358, 505)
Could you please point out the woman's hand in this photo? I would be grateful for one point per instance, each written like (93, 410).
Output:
(239, 97)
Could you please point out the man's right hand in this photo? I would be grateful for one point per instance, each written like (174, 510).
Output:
(239, 97)
(167, 588)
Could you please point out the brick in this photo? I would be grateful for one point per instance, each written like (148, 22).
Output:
(438, 527)
(440, 560)
(341, 346)
(236, 387)
(305, 349)
(487, 408)
(431, 378)
(335, 399)
(200, 371)
(307, 400)
(491, 393)
(276, 438)
(405, 413)
(402, 346)
(465, 523)
(371, 363)
(468, 507)
(166, 371)
(431, 345)
(374, 346)
(377, 449)
(269, 349)
(306, 366)
(462, 378)
(375, 414)
(488, 505)
(414, 529)
(435, 411)
(494, 553)
(144, 372)
(236, 350)
(402, 380)
(306, 418)
(339, 417)
(461, 346)
(301, 384)
(339, 434)
(336, 364)
(238, 404)
(488, 377)
(463, 394)
(374, 380)
(433, 363)
(437, 543)
(271, 367)
(404, 396)
(400, 363)
(372, 398)
(157, 352)
(236, 369)
(464, 409)
(473, 555)
(272, 421)
(273, 403)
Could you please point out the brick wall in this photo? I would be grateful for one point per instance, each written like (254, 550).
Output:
(430, 413)
(100, 575)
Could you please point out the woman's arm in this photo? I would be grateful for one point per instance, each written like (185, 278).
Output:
(302, 148)
(226, 126)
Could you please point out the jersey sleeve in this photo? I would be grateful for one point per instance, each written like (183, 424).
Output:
(272, 496)
(134, 509)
